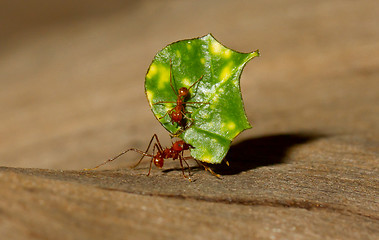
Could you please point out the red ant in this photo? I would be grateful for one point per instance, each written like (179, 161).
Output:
(175, 152)
(179, 112)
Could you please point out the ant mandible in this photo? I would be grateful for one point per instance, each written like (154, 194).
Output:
(178, 113)
(174, 152)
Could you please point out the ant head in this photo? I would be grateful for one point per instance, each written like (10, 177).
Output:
(158, 161)
(180, 146)
(183, 92)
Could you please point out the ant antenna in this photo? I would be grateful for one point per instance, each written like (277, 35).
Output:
(119, 155)
(172, 77)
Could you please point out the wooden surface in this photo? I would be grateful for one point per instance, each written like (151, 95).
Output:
(72, 95)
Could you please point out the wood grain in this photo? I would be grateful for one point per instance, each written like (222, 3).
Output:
(72, 96)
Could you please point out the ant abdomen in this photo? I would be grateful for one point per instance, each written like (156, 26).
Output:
(158, 161)
(176, 117)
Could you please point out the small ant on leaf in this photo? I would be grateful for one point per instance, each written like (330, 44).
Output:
(174, 152)
(178, 113)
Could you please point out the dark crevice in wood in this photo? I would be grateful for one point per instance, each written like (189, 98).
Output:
(255, 202)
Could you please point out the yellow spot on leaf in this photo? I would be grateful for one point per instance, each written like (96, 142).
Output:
(186, 82)
(226, 72)
(168, 107)
(164, 77)
(206, 158)
(216, 48)
(227, 53)
(152, 71)
(202, 60)
(150, 96)
(189, 47)
(231, 125)
(204, 115)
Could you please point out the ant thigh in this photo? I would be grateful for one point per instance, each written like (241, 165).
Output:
(157, 143)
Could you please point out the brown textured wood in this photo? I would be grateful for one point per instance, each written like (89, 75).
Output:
(72, 96)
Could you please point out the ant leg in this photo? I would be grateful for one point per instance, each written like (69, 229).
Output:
(151, 162)
(208, 169)
(158, 144)
(226, 162)
(196, 90)
(177, 133)
(181, 164)
(152, 158)
(197, 102)
(169, 112)
(190, 120)
(147, 149)
(196, 82)
(188, 167)
(184, 114)
(164, 115)
(186, 103)
(162, 102)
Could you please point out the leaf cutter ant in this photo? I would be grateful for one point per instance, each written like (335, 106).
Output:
(178, 113)
(175, 152)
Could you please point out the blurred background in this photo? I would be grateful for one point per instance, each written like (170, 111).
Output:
(72, 72)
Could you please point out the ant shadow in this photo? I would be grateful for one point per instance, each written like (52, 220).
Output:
(258, 152)
(262, 151)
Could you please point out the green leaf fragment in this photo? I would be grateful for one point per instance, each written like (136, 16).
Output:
(220, 116)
